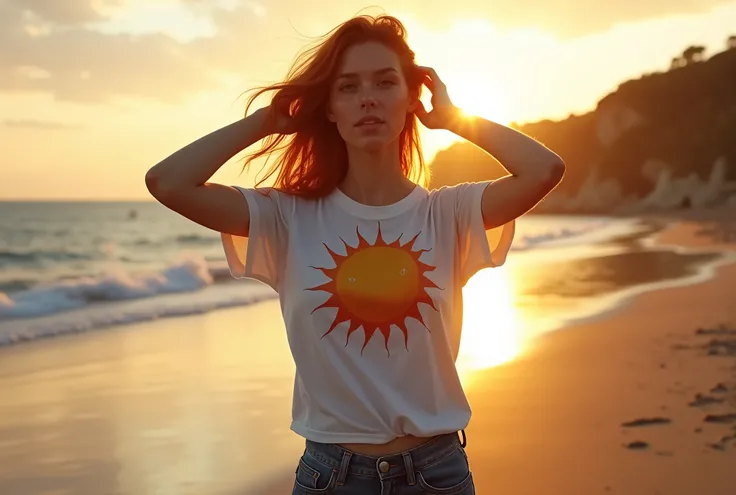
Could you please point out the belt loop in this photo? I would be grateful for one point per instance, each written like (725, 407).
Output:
(409, 466)
(344, 467)
(465, 439)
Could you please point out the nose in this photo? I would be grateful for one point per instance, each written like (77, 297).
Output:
(368, 100)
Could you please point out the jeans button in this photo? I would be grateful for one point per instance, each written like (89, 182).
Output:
(383, 466)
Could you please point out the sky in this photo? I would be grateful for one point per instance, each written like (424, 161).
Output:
(95, 92)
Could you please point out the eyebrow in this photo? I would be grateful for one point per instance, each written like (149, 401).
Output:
(347, 75)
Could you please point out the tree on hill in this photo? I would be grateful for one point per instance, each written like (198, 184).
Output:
(731, 42)
(693, 53)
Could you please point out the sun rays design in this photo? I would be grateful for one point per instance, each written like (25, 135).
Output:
(375, 286)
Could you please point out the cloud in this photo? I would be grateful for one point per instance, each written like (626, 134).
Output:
(39, 124)
(59, 47)
(81, 64)
(63, 12)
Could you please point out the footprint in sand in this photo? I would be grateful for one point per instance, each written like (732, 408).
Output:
(722, 330)
(719, 388)
(704, 400)
(646, 422)
(721, 418)
(637, 445)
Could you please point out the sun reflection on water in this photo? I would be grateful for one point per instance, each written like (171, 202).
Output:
(492, 329)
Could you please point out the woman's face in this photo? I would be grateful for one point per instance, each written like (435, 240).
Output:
(369, 98)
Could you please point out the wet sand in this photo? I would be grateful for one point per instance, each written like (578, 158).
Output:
(201, 404)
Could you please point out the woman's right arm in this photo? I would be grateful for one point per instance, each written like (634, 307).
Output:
(179, 182)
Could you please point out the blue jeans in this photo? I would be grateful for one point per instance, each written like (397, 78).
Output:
(439, 466)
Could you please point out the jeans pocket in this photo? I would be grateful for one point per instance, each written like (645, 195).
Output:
(313, 477)
(449, 476)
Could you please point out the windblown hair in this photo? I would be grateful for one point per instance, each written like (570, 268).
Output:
(313, 161)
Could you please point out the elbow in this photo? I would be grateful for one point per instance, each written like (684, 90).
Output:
(549, 176)
(555, 172)
(152, 182)
(156, 185)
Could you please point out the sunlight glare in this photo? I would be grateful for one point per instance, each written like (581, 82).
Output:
(491, 327)
(475, 98)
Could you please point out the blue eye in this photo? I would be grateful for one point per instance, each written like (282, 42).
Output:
(347, 87)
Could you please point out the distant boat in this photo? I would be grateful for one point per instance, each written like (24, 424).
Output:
(132, 215)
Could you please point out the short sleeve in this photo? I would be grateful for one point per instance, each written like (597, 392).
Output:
(478, 248)
(259, 256)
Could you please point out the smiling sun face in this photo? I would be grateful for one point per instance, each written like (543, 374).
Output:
(377, 285)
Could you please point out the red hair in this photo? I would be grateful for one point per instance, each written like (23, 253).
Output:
(314, 159)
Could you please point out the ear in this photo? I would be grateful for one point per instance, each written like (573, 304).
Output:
(413, 104)
(328, 113)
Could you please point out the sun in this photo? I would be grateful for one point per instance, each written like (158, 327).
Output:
(482, 99)
(376, 286)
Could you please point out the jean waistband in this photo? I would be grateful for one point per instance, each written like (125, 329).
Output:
(346, 462)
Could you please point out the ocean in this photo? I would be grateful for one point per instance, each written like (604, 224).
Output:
(69, 267)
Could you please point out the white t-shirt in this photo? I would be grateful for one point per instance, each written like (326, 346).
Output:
(372, 302)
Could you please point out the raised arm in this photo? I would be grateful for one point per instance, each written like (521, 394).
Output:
(534, 169)
(179, 182)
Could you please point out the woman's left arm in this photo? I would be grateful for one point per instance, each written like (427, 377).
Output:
(534, 169)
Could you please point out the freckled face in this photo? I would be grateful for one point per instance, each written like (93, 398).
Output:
(370, 84)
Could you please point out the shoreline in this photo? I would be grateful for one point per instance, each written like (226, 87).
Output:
(667, 241)
(613, 300)
(662, 238)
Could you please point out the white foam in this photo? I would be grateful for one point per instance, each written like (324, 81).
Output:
(108, 314)
(61, 295)
(590, 231)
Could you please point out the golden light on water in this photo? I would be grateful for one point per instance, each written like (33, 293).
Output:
(492, 330)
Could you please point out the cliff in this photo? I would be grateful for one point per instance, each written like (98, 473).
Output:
(662, 141)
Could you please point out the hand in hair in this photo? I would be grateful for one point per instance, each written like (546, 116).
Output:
(276, 122)
(443, 112)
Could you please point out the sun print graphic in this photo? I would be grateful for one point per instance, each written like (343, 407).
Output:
(376, 286)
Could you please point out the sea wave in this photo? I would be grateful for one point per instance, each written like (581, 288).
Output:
(587, 232)
(109, 315)
(62, 295)
(8, 256)
(197, 284)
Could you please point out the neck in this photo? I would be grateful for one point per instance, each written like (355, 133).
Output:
(375, 178)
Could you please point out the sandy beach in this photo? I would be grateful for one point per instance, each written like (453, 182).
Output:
(641, 400)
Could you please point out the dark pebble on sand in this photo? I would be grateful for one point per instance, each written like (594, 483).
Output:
(646, 422)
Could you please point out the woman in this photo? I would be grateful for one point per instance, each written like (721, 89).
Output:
(368, 264)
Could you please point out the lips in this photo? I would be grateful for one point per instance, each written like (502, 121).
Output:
(368, 120)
